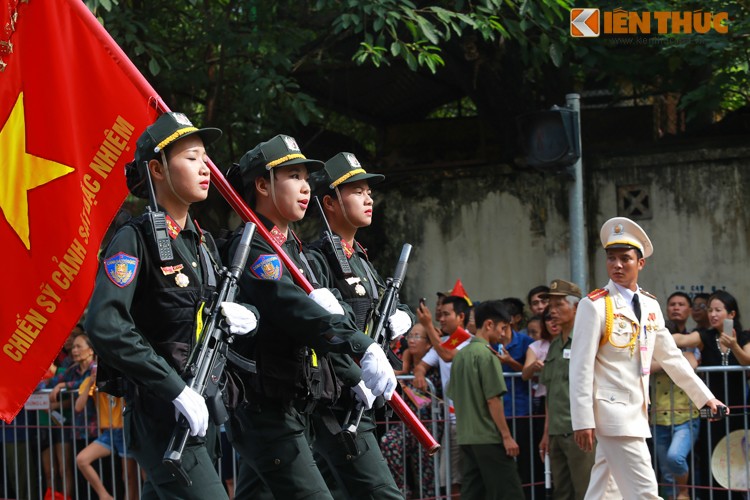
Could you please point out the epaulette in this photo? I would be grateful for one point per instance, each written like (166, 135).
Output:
(598, 294)
(647, 294)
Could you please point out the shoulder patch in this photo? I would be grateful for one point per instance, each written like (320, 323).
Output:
(267, 267)
(121, 268)
(647, 294)
(598, 294)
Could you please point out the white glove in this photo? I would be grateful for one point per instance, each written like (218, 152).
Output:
(399, 323)
(240, 319)
(364, 395)
(325, 299)
(193, 406)
(377, 373)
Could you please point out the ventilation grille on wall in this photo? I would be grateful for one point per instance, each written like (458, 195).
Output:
(634, 201)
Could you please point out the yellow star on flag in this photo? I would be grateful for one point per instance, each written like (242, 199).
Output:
(21, 172)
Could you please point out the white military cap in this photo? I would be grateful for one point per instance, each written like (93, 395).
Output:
(621, 232)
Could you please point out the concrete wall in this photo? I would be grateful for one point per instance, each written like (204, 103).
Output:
(502, 231)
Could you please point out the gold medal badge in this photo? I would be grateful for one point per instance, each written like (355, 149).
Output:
(180, 279)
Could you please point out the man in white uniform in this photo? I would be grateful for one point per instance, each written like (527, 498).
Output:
(618, 330)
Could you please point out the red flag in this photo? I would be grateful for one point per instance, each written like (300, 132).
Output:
(71, 109)
(458, 291)
(456, 339)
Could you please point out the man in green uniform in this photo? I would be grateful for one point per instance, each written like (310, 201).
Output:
(292, 376)
(147, 308)
(571, 467)
(476, 387)
(344, 190)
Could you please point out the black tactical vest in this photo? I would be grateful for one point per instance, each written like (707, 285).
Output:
(357, 290)
(167, 313)
(288, 372)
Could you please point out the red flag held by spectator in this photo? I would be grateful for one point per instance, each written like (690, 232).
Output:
(70, 113)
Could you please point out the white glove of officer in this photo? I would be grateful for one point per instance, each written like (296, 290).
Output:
(325, 299)
(399, 323)
(364, 395)
(193, 406)
(377, 373)
(240, 319)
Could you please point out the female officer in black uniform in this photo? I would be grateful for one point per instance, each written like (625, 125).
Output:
(147, 308)
(344, 189)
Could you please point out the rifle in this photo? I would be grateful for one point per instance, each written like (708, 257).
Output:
(381, 335)
(387, 307)
(206, 365)
(341, 267)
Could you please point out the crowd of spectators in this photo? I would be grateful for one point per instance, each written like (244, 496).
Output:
(43, 449)
(83, 426)
(681, 459)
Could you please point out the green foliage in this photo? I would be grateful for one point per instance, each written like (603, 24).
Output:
(708, 71)
(236, 63)
(416, 34)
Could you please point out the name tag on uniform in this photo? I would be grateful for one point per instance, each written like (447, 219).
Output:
(566, 353)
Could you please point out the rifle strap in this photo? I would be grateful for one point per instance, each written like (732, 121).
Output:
(328, 418)
(207, 266)
(308, 268)
(373, 284)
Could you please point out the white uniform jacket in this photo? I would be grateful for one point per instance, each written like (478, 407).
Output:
(608, 389)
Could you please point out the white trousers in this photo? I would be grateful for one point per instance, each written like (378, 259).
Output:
(622, 463)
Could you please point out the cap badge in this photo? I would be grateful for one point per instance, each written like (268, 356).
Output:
(352, 160)
(619, 228)
(291, 144)
(182, 119)
(553, 286)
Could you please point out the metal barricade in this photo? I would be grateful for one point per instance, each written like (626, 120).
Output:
(31, 467)
(40, 450)
(396, 442)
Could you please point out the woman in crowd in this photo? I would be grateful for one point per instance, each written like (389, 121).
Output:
(111, 438)
(535, 355)
(70, 380)
(721, 348)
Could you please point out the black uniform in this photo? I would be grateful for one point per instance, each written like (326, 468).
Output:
(366, 474)
(269, 431)
(142, 320)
